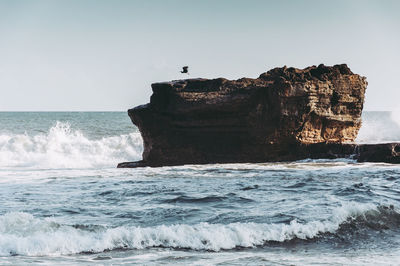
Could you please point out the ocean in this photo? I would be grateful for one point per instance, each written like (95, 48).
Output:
(64, 202)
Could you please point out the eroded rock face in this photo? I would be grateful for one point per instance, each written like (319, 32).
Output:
(275, 117)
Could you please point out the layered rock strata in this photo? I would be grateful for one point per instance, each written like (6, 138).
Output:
(284, 114)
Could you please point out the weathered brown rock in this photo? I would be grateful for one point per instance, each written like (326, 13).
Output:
(285, 114)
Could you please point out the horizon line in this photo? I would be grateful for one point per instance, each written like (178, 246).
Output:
(99, 111)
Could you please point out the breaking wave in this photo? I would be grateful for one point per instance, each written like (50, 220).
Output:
(23, 234)
(64, 147)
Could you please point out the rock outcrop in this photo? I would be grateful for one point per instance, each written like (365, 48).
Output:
(384, 152)
(285, 114)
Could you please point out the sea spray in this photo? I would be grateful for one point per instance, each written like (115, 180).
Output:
(395, 116)
(379, 127)
(64, 147)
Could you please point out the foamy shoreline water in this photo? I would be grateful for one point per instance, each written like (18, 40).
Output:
(23, 234)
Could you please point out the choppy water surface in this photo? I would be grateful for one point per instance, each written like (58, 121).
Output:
(63, 201)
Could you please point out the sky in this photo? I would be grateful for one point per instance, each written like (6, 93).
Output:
(96, 55)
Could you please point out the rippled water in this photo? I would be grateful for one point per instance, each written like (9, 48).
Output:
(63, 201)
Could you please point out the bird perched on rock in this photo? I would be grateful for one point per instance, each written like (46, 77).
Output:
(185, 70)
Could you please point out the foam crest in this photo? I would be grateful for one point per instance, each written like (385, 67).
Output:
(21, 233)
(63, 147)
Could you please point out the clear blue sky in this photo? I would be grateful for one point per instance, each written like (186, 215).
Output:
(103, 55)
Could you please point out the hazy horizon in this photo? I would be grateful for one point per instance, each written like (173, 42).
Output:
(103, 55)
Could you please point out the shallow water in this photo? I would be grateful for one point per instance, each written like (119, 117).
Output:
(63, 201)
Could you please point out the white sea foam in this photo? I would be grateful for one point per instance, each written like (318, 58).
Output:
(63, 147)
(380, 127)
(21, 233)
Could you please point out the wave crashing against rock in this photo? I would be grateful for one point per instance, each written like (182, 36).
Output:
(284, 114)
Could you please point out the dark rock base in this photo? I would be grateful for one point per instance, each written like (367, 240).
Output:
(386, 153)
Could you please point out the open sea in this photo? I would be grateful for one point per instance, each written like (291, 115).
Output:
(64, 202)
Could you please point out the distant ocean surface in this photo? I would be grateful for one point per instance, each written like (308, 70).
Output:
(63, 201)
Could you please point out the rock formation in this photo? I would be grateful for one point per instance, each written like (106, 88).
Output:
(284, 114)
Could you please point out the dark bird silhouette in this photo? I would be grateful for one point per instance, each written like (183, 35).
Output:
(185, 69)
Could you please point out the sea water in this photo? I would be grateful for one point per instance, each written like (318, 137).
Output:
(63, 201)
